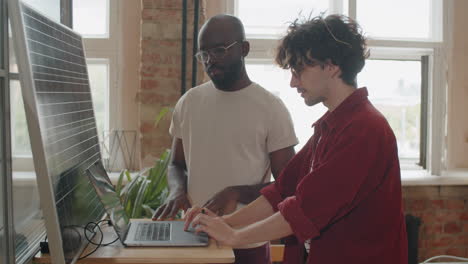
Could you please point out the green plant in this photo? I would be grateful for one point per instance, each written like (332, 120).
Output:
(146, 191)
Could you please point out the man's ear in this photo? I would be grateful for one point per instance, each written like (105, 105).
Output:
(336, 71)
(333, 69)
(245, 48)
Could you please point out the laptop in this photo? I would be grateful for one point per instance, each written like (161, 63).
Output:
(146, 233)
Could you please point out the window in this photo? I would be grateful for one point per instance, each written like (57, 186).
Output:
(98, 72)
(398, 97)
(91, 18)
(100, 37)
(394, 74)
(276, 15)
(374, 17)
(51, 8)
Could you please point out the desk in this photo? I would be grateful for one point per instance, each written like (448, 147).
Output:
(118, 254)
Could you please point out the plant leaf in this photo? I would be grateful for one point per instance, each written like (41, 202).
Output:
(118, 188)
(161, 114)
(137, 205)
(148, 211)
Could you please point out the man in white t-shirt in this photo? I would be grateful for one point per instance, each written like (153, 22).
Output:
(229, 134)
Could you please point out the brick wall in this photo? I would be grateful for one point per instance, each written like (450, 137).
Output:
(160, 69)
(444, 215)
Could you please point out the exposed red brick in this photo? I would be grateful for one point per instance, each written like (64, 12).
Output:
(440, 241)
(448, 216)
(418, 205)
(148, 84)
(456, 251)
(461, 240)
(454, 204)
(464, 216)
(436, 204)
(452, 228)
(430, 252)
(431, 228)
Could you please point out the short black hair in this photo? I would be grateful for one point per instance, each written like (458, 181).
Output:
(337, 39)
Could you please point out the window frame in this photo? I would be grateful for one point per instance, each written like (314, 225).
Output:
(399, 49)
(7, 242)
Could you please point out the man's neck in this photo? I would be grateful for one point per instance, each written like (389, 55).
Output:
(338, 93)
(236, 86)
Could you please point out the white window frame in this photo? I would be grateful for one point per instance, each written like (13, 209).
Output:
(97, 48)
(402, 49)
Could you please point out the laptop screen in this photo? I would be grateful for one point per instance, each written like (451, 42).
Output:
(109, 198)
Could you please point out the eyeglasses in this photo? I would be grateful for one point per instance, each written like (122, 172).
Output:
(215, 53)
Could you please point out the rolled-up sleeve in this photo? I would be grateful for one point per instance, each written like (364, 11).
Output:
(301, 225)
(287, 181)
(272, 195)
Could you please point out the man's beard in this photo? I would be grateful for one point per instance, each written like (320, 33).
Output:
(231, 75)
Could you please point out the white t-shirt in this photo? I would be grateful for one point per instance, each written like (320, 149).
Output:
(227, 136)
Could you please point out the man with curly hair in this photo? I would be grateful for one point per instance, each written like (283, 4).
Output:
(340, 196)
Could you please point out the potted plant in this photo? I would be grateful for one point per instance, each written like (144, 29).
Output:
(146, 191)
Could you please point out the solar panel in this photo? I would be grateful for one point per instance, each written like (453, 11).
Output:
(61, 124)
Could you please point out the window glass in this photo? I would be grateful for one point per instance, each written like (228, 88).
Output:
(27, 215)
(276, 80)
(395, 19)
(21, 147)
(398, 97)
(50, 8)
(272, 17)
(90, 18)
(98, 72)
(11, 52)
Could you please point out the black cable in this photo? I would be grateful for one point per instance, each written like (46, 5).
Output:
(97, 247)
(99, 244)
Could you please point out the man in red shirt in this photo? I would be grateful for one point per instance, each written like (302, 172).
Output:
(340, 196)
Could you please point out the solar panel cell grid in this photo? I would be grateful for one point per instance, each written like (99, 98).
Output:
(66, 120)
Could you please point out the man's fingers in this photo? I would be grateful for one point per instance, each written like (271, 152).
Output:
(158, 212)
(191, 213)
(166, 211)
(213, 206)
(209, 212)
(174, 210)
(201, 228)
(198, 220)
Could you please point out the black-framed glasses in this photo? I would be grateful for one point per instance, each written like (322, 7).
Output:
(216, 53)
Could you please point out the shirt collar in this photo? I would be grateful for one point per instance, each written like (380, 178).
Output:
(332, 119)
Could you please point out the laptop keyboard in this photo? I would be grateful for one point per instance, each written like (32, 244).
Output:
(153, 232)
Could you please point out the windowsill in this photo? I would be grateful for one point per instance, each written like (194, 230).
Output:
(422, 177)
(28, 178)
(409, 177)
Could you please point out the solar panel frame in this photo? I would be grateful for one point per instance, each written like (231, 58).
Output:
(61, 124)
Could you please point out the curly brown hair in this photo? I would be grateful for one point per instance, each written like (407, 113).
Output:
(336, 39)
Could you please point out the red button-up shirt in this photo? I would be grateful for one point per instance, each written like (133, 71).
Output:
(343, 190)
